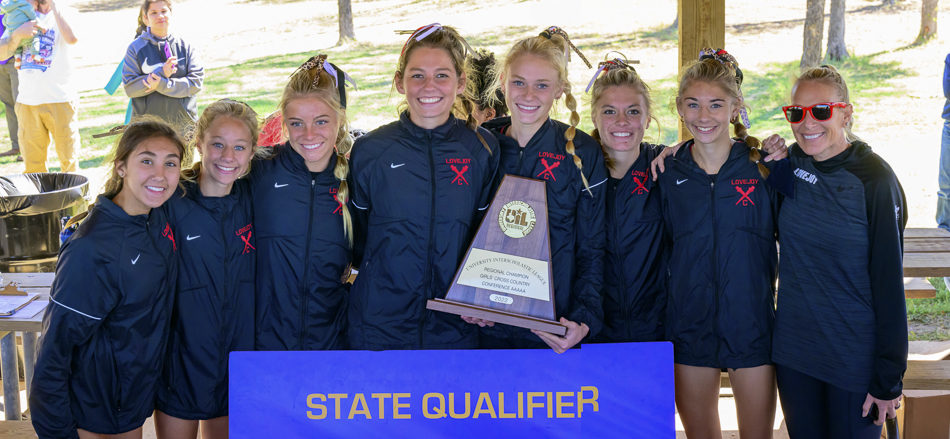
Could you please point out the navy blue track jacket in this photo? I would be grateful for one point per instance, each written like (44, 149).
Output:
(575, 218)
(214, 306)
(635, 263)
(720, 305)
(99, 360)
(420, 195)
(303, 255)
(841, 314)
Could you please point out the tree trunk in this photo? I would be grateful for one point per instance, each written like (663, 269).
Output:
(814, 28)
(928, 21)
(347, 33)
(837, 51)
(675, 25)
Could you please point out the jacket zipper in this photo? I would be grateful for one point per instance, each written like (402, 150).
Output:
(623, 276)
(301, 342)
(171, 376)
(715, 264)
(224, 301)
(428, 274)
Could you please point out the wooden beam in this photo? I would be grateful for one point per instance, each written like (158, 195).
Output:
(926, 264)
(702, 23)
(926, 233)
(918, 288)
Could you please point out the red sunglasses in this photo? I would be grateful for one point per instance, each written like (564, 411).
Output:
(821, 112)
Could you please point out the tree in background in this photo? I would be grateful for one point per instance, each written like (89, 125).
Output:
(928, 21)
(837, 51)
(814, 28)
(347, 32)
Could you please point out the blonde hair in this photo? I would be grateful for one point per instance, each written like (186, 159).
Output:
(828, 75)
(229, 108)
(721, 70)
(617, 75)
(551, 46)
(449, 40)
(311, 80)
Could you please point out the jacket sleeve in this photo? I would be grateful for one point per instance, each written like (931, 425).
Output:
(886, 210)
(190, 85)
(488, 185)
(359, 197)
(82, 295)
(946, 77)
(590, 246)
(132, 75)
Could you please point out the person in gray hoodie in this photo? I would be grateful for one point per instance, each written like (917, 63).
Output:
(161, 73)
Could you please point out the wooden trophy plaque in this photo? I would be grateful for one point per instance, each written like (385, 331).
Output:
(506, 274)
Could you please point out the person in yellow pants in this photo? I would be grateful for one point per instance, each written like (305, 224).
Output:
(40, 122)
(46, 95)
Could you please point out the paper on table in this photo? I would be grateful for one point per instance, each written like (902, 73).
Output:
(29, 311)
(10, 304)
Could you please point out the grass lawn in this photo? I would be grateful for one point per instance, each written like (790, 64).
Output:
(929, 319)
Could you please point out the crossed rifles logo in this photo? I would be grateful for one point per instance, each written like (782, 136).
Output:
(459, 175)
(744, 199)
(548, 169)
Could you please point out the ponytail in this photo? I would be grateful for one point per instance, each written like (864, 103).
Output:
(754, 144)
(340, 171)
(572, 131)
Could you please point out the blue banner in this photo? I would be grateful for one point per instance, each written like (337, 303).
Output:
(602, 390)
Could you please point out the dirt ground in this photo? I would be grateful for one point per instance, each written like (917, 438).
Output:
(905, 130)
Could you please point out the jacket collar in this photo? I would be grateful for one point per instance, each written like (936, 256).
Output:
(439, 133)
(851, 154)
(106, 206)
(193, 191)
(544, 136)
(738, 153)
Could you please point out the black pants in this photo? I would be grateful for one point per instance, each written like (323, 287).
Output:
(815, 409)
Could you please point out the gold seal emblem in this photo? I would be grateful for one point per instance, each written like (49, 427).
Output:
(516, 219)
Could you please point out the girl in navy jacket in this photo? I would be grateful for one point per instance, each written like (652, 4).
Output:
(637, 252)
(302, 219)
(99, 360)
(214, 306)
(721, 217)
(532, 76)
(421, 185)
(840, 342)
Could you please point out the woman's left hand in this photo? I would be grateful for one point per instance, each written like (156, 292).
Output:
(575, 333)
(774, 146)
(885, 408)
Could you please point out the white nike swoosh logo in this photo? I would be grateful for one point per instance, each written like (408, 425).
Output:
(678, 182)
(149, 69)
(136, 259)
(280, 185)
(189, 237)
(394, 166)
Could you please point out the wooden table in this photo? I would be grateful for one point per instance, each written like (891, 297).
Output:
(926, 253)
(29, 327)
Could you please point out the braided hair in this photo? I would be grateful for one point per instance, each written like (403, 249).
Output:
(554, 46)
(312, 79)
(720, 68)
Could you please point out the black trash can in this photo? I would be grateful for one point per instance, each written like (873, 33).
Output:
(32, 207)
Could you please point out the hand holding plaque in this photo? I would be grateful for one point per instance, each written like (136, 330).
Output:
(506, 275)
